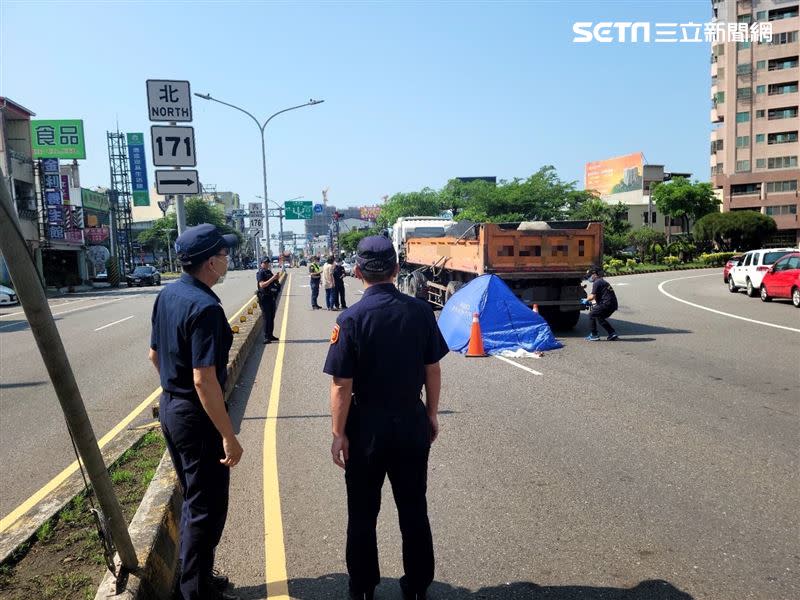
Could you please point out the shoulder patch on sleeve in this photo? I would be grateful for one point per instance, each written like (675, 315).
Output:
(335, 334)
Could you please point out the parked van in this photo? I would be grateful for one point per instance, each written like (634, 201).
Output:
(752, 267)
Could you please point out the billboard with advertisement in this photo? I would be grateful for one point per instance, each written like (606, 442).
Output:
(58, 139)
(370, 213)
(138, 164)
(615, 175)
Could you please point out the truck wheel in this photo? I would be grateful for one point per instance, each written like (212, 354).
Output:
(452, 288)
(566, 320)
(416, 285)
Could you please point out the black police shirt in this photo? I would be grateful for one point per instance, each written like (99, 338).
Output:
(190, 331)
(265, 275)
(604, 294)
(383, 343)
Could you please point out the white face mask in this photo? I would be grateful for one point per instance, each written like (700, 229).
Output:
(221, 277)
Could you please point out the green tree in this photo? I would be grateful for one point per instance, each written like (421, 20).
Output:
(409, 204)
(684, 200)
(197, 211)
(614, 218)
(739, 230)
(348, 242)
(646, 240)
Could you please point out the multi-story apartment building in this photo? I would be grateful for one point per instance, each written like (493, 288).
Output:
(754, 113)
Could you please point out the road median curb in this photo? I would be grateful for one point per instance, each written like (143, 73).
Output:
(154, 528)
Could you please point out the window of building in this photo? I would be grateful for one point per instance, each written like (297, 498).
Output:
(721, 73)
(744, 69)
(744, 93)
(760, 89)
(719, 97)
(761, 65)
(761, 15)
(783, 13)
(742, 117)
(761, 163)
(784, 137)
(779, 187)
(779, 64)
(717, 169)
(782, 162)
(759, 138)
(786, 112)
(784, 209)
(760, 114)
(743, 141)
(742, 166)
(787, 87)
(744, 18)
(744, 189)
(742, 45)
(786, 37)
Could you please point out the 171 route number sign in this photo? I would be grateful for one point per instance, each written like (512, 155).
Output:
(173, 146)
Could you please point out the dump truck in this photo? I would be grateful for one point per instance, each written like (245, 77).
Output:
(543, 262)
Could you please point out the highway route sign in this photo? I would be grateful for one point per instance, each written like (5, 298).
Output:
(177, 182)
(173, 146)
(298, 209)
(169, 100)
(256, 222)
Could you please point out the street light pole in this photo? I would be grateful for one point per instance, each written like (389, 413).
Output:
(280, 218)
(262, 129)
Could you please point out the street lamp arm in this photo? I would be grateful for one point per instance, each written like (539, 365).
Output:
(309, 103)
(208, 97)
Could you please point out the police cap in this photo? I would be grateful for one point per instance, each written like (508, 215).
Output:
(376, 254)
(200, 242)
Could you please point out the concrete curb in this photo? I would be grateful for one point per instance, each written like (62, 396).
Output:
(154, 528)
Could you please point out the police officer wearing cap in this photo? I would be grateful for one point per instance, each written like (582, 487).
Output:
(268, 288)
(383, 350)
(189, 346)
(603, 302)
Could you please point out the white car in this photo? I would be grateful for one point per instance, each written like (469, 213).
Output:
(752, 267)
(7, 295)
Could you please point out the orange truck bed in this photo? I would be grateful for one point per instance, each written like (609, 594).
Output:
(567, 247)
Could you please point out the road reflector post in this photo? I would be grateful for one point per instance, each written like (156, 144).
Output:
(250, 311)
(235, 329)
(475, 348)
(242, 319)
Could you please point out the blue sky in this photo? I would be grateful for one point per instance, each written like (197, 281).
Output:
(415, 93)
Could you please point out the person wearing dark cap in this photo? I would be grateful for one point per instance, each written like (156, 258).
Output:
(189, 347)
(604, 301)
(384, 349)
(268, 289)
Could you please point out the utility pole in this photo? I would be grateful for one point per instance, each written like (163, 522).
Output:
(40, 318)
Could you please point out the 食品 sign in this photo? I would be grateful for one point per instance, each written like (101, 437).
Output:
(58, 139)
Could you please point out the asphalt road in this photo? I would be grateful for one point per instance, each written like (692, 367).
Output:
(663, 466)
(106, 334)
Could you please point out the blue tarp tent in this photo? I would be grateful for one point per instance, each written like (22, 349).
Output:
(506, 323)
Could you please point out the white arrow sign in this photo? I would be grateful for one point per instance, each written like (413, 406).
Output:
(177, 182)
(173, 146)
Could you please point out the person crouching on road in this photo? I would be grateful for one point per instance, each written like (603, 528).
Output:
(328, 283)
(605, 304)
(189, 347)
(383, 350)
(268, 289)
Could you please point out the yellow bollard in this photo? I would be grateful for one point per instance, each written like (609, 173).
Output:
(242, 319)
(254, 305)
(235, 329)
(249, 311)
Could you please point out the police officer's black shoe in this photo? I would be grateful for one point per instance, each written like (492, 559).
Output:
(218, 580)
(272, 338)
(408, 593)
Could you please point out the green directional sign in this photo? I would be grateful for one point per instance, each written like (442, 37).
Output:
(299, 210)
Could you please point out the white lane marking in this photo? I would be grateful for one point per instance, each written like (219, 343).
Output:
(66, 312)
(516, 364)
(22, 312)
(114, 323)
(719, 312)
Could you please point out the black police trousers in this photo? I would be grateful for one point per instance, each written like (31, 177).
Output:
(195, 446)
(397, 446)
(267, 303)
(599, 315)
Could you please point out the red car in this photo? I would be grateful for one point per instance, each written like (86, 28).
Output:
(732, 262)
(783, 280)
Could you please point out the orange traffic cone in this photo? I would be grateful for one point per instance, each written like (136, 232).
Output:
(535, 308)
(475, 348)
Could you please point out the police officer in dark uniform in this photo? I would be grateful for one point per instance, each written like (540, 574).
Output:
(605, 304)
(383, 350)
(268, 288)
(189, 346)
